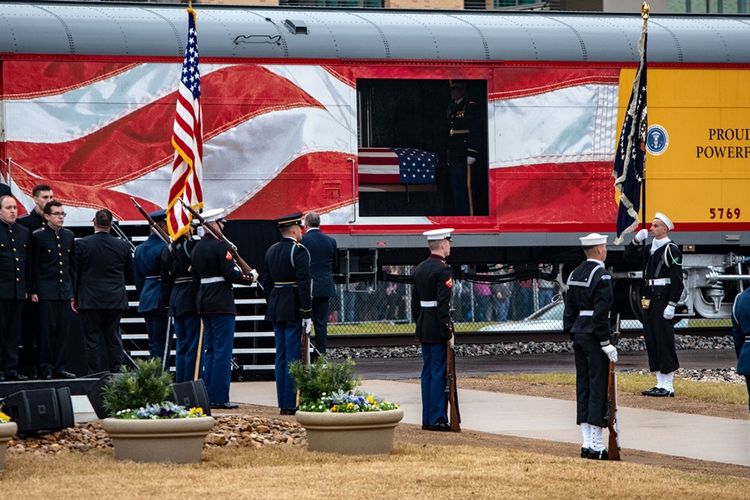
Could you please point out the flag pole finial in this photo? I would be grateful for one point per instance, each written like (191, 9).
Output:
(645, 11)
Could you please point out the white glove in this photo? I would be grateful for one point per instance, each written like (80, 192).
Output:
(611, 352)
(641, 236)
(470, 160)
(307, 325)
(452, 342)
(254, 274)
(668, 312)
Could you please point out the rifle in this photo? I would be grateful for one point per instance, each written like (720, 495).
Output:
(614, 433)
(305, 346)
(244, 266)
(451, 386)
(158, 231)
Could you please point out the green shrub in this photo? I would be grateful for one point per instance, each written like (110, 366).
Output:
(323, 377)
(147, 384)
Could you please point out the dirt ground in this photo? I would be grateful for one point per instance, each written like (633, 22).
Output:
(408, 433)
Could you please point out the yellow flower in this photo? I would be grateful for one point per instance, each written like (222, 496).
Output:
(350, 405)
(4, 418)
(196, 412)
(370, 399)
(333, 408)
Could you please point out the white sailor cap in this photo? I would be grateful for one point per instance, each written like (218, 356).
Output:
(439, 234)
(593, 239)
(666, 220)
(215, 214)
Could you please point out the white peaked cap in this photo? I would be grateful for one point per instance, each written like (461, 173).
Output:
(666, 220)
(438, 234)
(213, 215)
(593, 239)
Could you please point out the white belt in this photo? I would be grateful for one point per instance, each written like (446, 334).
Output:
(183, 279)
(213, 279)
(428, 303)
(585, 313)
(660, 282)
(153, 277)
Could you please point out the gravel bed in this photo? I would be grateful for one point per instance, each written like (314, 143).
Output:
(683, 342)
(229, 431)
(703, 375)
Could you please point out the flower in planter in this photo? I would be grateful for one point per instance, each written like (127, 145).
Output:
(329, 386)
(142, 393)
(4, 419)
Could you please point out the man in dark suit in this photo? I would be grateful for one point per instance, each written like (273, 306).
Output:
(101, 262)
(14, 242)
(30, 342)
(214, 271)
(430, 304)
(51, 287)
(322, 250)
(286, 282)
(147, 276)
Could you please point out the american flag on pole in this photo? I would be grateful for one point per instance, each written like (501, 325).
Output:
(630, 158)
(187, 140)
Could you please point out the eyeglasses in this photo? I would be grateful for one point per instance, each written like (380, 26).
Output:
(59, 214)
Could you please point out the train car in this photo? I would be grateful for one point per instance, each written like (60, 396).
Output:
(321, 110)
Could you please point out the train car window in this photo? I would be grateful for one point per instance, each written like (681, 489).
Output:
(422, 147)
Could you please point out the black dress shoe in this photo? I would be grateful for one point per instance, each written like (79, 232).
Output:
(650, 392)
(288, 411)
(586, 452)
(46, 376)
(598, 455)
(16, 376)
(2, 377)
(662, 393)
(224, 406)
(439, 427)
(64, 374)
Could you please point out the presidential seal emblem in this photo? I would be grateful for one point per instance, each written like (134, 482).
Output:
(657, 140)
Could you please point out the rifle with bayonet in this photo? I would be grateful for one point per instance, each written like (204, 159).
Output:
(155, 228)
(451, 386)
(244, 266)
(613, 447)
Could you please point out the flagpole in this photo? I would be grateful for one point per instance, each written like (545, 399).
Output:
(645, 13)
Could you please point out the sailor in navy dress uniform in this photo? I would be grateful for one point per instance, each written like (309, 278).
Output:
(51, 286)
(14, 248)
(287, 284)
(214, 270)
(147, 277)
(179, 292)
(587, 305)
(663, 290)
(430, 304)
(741, 335)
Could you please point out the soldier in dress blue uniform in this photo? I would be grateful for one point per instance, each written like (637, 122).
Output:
(663, 289)
(214, 270)
(430, 304)
(179, 291)
(29, 355)
(51, 287)
(587, 306)
(102, 262)
(463, 146)
(741, 333)
(287, 284)
(322, 250)
(14, 248)
(147, 276)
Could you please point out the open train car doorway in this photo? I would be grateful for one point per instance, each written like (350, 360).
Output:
(408, 133)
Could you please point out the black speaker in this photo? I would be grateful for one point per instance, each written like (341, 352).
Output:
(40, 410)
(191, 394)
(94, 392)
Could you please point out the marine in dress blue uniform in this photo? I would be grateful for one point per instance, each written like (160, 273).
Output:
(14, 248)
(663, 289)
(147, 276)
(287, 284)
(179, 291)
(741, 333)
(322, 250)
(102, 261)
(463, 146)
(588, 302)
(214, 270)
(431, 299)
(51, 287)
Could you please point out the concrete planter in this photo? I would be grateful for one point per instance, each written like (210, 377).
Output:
(7, 431)
(368, 433)
(176, 440)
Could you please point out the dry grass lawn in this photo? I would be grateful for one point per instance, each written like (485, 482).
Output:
(414, 470)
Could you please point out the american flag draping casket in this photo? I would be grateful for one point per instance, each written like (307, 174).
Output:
(397, 166)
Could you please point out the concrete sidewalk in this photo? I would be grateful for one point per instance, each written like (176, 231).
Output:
(678, 434)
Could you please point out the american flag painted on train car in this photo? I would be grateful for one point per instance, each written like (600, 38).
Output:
(397, 166)
(280, 138)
